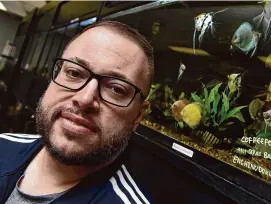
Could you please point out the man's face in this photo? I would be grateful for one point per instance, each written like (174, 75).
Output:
(77, 126)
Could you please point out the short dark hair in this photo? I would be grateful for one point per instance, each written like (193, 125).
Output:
(132, 34)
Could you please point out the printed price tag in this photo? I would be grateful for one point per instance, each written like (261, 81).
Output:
(182, 149)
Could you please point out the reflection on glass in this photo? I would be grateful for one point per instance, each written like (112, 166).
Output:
(18, 43)
(28, 61)
(88, 21)
(38, 50)
(72, 26)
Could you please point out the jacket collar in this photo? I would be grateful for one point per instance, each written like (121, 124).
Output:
(91, 185)
(21, 159)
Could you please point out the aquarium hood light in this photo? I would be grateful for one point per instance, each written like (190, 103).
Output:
(2, 7)
(190, 51)
(199, 52)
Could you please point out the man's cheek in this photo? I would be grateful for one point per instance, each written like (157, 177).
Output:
(53, 96)
(56, 133)
(114, 126)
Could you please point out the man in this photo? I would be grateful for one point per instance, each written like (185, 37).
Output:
(85, 118)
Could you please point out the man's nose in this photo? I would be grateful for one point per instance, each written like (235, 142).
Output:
(88, 97)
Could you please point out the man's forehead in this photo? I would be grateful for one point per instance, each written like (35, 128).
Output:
(110, 42)
(108, 36)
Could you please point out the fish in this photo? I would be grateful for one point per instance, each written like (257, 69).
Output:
(245, 39)
(203, 22)
(263, 22)
(267, 118)
(177, 108)
(208, 138)
(181, 71)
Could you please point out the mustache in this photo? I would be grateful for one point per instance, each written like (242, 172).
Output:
(76, 111)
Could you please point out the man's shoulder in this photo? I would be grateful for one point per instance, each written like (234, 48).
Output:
(11, 143)
(125, 188)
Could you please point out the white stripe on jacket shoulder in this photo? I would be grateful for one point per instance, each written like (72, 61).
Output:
(126, 182)
(21, 138)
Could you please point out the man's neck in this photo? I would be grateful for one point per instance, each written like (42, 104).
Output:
(45, 175)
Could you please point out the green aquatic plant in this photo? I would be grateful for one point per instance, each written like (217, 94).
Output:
(255, 108)
(208, 113)
(233, 86)
(217, 108)
(268, 97)
(261, 126)
(161, 98)
(153, 95)
(261, 116)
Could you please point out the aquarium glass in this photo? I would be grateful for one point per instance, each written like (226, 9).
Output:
(212, 85)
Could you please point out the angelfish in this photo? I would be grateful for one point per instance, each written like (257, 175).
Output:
(203, 22)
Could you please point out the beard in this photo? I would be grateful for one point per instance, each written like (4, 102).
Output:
(99, 154)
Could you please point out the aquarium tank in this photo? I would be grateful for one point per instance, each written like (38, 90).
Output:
(212, 85)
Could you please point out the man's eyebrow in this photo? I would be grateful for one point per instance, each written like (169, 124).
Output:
(80, 61)
(86, 64)
(118, 75)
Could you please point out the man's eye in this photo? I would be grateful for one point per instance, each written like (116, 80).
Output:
(117, 89)
(73, 73)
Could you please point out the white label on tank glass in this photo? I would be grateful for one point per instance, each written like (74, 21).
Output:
(182, 149)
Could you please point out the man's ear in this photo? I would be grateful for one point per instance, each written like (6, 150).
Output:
(140, 114)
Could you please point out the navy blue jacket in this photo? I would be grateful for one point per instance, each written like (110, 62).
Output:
(113, 184)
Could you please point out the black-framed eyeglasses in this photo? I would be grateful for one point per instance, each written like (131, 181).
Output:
(73, 76)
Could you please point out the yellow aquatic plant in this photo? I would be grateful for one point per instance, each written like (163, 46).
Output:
(234, 83)
(191, 115)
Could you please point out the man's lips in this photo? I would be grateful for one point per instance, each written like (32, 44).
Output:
(77, 120)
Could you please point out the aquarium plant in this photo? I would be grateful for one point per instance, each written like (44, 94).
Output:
(161, 98)
(212, 109)
(216, 108)
(260, 112)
